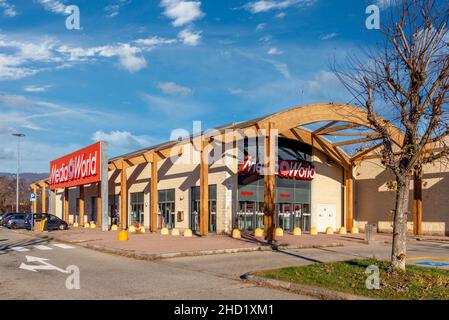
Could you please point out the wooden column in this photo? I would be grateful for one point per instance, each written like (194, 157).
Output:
(269, 185)
(204, 189)
(349, 189)
(44, 198)
(417, 202)
(81, 205)
(99, 204)
(154, 202)
(66, 205)
(35, 199)
(123, 197)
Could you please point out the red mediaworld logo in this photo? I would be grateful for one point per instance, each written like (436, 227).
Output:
(288, 169)
(77, 168)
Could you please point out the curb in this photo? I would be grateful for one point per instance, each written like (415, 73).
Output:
(318, 292)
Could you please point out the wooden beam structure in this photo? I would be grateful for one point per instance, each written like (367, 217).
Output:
(123, 197)
(326, 126)
(355, 141)
(269, 185)
(154, 201)
(365, 151)
(417, 202)
(44, 198)
(81, 205)
(66, 205)
(349, 190)
(204, 189)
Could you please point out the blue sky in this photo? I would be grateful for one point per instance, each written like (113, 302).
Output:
(137, 69)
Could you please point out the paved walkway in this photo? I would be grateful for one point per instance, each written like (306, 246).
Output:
(157, 244)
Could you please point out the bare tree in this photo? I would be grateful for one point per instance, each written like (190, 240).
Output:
(405, 81)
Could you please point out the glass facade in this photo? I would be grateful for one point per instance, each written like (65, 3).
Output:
(195, 208)
(293, 196)
(166, 214)
(137, 206)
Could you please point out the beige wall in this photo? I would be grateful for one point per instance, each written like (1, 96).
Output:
(373, 200)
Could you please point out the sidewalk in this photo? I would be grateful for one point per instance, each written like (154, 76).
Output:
(156, 246)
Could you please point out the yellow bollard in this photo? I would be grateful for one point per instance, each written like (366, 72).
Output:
(258, 233)
(236, 234)
(175, 232)
(342, 230)
(93, 225)
(123, 235)
(279, 232)
(355, 230)
(87, 225)
(329, 230)
(313, 231)
(142, 229)
(75, 225)
(297, 231)
(164, 231)
(132, 229)
(187, 233)
(114, 227)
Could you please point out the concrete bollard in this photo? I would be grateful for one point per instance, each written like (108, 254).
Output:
(132, 229)
(313, 231)
(93, 225)
(342, 230)
(114, 227)
(236, 234)
(258, 233)
(142, 230)
(329, 230)
(355, 230)
(279, 232)
(187, 233)
(164, 231)
(87, 225)
(175, 232)
(123, 235)
(297, 231)
(75, 225)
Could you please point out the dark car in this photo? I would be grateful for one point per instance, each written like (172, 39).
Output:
(15, 220)
(54, 223)
(4, 215)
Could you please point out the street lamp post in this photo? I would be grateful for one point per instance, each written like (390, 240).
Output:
(18, 135)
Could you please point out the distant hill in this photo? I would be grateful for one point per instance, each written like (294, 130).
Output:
(28, 177)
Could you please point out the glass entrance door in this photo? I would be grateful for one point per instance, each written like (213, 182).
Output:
(284, 216)
(137, 215)
(195, 209)
(167, 214)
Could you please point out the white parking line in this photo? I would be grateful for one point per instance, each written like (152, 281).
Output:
(62, 246)
(20, 249)
(42, 247)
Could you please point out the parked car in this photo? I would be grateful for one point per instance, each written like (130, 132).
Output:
(15, 221)
(54, 223)
(2, 216)
(32, 218)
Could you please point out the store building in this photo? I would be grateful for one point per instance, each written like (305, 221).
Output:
(215, 181)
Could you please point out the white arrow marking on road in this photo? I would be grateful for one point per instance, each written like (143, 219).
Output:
(62, 246)
(44, 265)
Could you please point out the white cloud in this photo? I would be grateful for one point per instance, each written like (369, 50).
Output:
(190, 38)
(268, 5)
(282, 68)
(274, 51)
(261, 26)
(122, 140)
(113, 9)
(182, 12)
(54, 6)
(280, 15)
(154, 41)
(329, 36)
(173, 88)
(9, 10)
(235, 91)
(36, 89)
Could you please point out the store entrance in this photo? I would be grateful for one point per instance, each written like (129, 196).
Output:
(293, 215)
(195, 209)
(166, 213)
(250, 215)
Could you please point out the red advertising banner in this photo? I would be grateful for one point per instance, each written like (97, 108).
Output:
(78, 168)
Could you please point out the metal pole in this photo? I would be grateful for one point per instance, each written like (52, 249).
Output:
(18, 135)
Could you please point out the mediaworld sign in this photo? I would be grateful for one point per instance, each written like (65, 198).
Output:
(288, 169)
(78, 168)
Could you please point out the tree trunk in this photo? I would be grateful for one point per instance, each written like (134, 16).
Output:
(398, 252)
